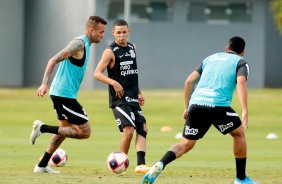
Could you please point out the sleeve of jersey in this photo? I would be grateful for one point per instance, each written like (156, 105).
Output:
(243, 68)
(199, 69)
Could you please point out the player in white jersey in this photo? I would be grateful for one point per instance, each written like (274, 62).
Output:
(72, 118)
(209, 104)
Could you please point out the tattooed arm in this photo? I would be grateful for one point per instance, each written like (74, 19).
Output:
(70, 50)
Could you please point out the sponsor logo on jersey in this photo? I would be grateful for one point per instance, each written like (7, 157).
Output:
(129, 72)
(126, 63)
(127, 98)
(121, 56)
(204, 99)
(126, 69)
(225, 127)
(190, 131)
(127, 54)
(205, 105)
(218, 58)
(205, 91)
(132, 53)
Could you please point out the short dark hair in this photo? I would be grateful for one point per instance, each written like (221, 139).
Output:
(236, 44)
(93, 21)
(120, 22)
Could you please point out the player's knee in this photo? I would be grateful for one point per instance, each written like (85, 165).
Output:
(188, 144)
(128, 134)
(145, 128)
(84, 131)
(142, 133)
(85, 134)
(238, 133)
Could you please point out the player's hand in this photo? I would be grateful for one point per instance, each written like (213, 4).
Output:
(118, 88)
(185, 114)
(245, 119)
(141, 99)
(42, 90)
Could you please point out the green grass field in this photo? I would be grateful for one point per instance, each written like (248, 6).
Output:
(211, 161)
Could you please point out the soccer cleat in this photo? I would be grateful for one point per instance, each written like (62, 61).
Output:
(153, 173)
(247, 180)
(46, 169)
(142, 169)
(35, 130)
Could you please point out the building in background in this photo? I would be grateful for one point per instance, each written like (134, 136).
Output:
(172, 37)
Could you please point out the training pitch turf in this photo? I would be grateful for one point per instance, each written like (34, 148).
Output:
(211, 160)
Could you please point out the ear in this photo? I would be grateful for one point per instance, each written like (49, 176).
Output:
(129, 30)
(242, 53)
(91, 29)
(226, 49)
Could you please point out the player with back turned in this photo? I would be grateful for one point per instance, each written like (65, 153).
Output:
(209, 104)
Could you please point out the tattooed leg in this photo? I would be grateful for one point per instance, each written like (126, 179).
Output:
(55, 142)
(72, 131)
(75, 131)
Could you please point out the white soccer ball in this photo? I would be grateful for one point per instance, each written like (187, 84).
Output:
(59, 158)
(118, 162)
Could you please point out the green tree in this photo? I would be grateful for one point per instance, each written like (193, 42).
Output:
(276, 8)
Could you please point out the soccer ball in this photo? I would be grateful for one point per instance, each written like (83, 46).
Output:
(118, 162)
(59, 158)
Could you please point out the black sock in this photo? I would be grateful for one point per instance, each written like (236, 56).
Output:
(45, 159)
(241, 168)
(141, 158)
(168, 157)
(49, 129)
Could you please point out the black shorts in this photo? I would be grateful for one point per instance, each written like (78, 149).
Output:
(127, 115)
(200, 118)
(69, 109)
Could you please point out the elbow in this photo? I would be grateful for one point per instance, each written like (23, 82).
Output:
(241, 85)
(192, 79)
(189, 82)
(96, 75)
